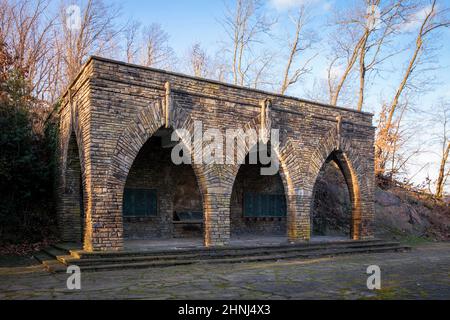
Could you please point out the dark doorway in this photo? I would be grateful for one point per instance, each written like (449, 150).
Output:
(332, 207)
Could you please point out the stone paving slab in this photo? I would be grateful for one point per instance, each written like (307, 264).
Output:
(423, 273)
(236, 241)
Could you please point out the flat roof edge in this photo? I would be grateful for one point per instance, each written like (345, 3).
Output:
(225, 84)
(118, 62)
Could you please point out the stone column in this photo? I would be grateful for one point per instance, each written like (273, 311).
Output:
(298, 219)
(367, 208)
(104, 226)
(216, 207)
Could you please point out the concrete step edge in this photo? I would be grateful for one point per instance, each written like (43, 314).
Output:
(103, 260)
(83, 254)
(242, 259)
(41, 256)
(53, 252)
(66, 247)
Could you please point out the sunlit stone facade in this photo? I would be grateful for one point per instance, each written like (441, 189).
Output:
(112, 111)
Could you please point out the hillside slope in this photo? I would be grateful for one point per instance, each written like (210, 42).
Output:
(400, 212)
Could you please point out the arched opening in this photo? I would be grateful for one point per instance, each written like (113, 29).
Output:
(73, 204)
(258, 210)
(161, 200)
(332, 213)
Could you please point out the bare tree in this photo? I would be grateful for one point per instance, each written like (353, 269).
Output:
(26, 28)
(443, 173)
(363, 31)
(244, 25)
(156, 49)
(218, 67)
(443, 138)
(346, 43)
(388, 128)
(198, 61)
(132, 46)
(259, 72)
(300, 42)
(382, 22)
(95, 35)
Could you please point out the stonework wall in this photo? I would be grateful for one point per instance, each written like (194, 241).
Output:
(249, 179)
(176, 189)
(114, 108)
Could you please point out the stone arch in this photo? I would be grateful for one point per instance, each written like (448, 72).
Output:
(71, 132)
(282, 153)
(139, 130)
(72, 178)
(132, 138)
(288, 155)
(340, 148)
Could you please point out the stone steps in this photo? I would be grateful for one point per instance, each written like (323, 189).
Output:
(67, 246)
(209, 254)
(54, 251)
(42, 256)
(50, 262)
(243, 259)
(218, 250)
(172, 257)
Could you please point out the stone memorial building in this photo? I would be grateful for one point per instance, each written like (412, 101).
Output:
(118, 182)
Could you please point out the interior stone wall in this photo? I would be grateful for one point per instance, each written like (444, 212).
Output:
(176, 188)
(249, 179)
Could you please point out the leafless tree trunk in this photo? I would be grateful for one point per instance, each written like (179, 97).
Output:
(443, 174)
(244, 24)
(198, 61)
(347, 40)
(443, 138)
(343, 77)
(300, 42)
(95, 36)
(361, 36)
(432, 21)
(131, 46)
(156, 49)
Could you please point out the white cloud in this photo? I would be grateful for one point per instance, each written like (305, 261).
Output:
(416, 19)
(327, 6)
(288, 4)
(335, 72)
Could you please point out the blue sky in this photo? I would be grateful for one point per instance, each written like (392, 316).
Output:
(188, 22)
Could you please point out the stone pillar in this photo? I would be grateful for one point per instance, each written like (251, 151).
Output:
(104, 226)
(367, 209)
(298, 222)
(216, 208)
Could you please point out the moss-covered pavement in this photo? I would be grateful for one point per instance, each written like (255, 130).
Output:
(422, 273)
